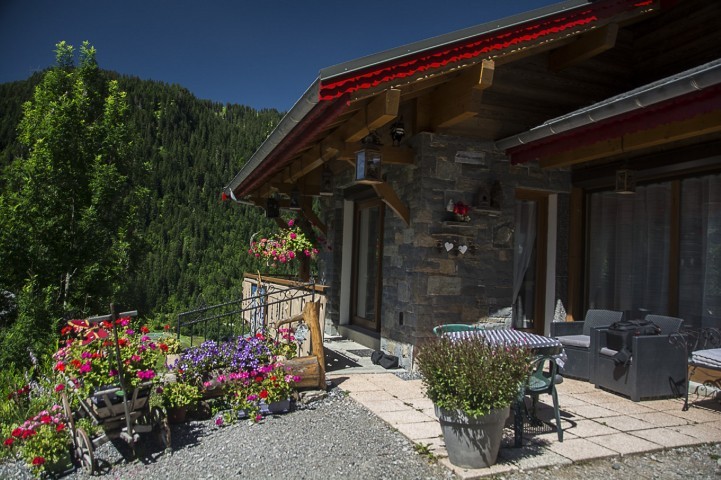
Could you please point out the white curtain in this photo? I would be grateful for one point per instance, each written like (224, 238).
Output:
(629, 248)
(524, 241)
(700, 252)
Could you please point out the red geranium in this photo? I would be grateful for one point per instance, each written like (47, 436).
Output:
(38, 461)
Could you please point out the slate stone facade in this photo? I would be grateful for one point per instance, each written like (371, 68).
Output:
(438, 270)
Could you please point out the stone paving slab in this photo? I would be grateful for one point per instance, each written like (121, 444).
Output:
(665, 437)
(597, 424)
(581, 449)
(625, 443)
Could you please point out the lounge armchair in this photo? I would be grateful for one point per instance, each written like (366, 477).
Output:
(577, 341)
(656, 368)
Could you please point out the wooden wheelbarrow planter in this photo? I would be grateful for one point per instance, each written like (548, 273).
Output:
(310, 368)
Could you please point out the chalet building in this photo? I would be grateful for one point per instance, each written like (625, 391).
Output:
(518, 172)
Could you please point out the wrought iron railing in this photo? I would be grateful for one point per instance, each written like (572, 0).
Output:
(266, 304)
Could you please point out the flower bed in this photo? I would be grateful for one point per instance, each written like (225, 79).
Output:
(247, 370)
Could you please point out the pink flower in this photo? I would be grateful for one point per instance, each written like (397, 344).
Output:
(219, 421)
(86, 367)
(293, 235)
(291, 222)
(112, 373)
(130, 331)
(59, 387)
(258, 417)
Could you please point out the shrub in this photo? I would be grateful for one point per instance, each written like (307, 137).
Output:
(472, 375)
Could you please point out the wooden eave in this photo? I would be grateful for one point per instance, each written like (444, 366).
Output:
(467, 88)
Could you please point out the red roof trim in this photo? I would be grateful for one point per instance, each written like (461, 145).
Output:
(673, 110)
(485, 45)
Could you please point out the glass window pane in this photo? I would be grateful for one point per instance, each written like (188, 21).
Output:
(368, 251)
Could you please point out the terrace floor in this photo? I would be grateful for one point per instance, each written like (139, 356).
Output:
(596, 424)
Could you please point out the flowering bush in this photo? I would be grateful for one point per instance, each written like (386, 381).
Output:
(203, 364)
(284, 347)
(88, 358)
(284, 247)
(41, 440)
(270, 383)
(179, 394)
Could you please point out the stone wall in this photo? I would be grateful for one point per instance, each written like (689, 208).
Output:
(424, 284)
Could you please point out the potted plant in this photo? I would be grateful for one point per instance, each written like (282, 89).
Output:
(472, 384)
(177, 397)
(88, 359)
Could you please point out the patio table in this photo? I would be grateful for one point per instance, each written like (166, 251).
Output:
(538, 344)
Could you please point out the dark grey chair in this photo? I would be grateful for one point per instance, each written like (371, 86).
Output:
(657, 367)
(577, 341)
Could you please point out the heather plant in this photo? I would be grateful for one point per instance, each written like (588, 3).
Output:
(471, 375)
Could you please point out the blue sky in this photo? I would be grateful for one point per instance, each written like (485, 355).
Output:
(260, 53)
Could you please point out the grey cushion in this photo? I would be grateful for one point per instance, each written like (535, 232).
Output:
(583, 341)
(710, 358)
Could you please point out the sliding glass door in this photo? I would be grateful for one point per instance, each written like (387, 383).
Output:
(367, 267)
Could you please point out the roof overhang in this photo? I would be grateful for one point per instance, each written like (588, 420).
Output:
(339, 86)
(675, 108)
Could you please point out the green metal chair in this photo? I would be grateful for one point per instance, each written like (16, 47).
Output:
(453, 327)
(544, 380)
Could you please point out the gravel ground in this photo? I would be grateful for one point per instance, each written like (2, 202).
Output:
(338, 438)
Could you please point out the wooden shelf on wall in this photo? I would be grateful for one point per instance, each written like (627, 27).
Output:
(448, 223)
(491, 212)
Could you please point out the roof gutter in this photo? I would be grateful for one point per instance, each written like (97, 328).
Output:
(675, 86)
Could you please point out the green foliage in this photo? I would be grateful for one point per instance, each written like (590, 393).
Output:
(180, 394)
(471, 375)
(113, 183)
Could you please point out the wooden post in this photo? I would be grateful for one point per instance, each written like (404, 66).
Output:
(311, 369)
(311, 312)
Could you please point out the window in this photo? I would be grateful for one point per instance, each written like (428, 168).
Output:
(657, 251)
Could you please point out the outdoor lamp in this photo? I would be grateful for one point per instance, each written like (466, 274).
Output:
(398, 131)
(625, 181)
(272, 210)
(294, 199)
(326, 182)
(368, 160)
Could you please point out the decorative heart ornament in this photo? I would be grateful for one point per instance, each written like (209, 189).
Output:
(463, 249)
(449, 246)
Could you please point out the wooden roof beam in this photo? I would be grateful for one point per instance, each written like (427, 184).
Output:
(380, 111)
(306, 208)
(704, 124)
(586, 46)
(313, 159)
(455, 101)
(390, 198)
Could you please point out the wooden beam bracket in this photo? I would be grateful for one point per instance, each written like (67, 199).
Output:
(390, 198)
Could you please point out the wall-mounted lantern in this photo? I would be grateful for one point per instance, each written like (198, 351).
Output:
(368, 160)
(625, 181)
(294, 199)
(272, 209)
(326, 182)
